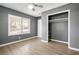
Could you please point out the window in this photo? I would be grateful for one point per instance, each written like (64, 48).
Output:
(18, 25)
(26, 25)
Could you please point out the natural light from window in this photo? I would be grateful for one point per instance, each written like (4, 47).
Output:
(18, 25)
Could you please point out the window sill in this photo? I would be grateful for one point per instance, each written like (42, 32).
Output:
(18, 34)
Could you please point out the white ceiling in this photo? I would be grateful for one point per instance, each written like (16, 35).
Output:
(22, 7)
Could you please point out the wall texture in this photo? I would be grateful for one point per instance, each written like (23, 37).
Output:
(4, 38)
(74, 23)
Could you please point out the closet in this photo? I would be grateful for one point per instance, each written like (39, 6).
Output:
(58, 27)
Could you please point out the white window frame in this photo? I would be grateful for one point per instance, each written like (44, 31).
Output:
(20, 31)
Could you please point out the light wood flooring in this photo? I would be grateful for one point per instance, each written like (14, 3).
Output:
(37, 47)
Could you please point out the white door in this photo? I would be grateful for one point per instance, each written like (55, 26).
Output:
(39, 28)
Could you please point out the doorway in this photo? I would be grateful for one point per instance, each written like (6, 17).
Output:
(59, 27)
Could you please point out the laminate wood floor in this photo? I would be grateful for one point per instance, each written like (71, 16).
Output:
(36, 47)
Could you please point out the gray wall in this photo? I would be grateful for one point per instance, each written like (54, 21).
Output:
(74, 22)
(4, 38)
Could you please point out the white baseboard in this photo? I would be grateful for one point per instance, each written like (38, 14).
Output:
(66, 43)
(73, 48)
(16, 41)
(44, 41)
(59, 41)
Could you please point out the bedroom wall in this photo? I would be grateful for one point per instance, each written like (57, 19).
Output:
(4, 38)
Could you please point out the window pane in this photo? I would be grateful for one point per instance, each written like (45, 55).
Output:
(14, 24)
(26, 25)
